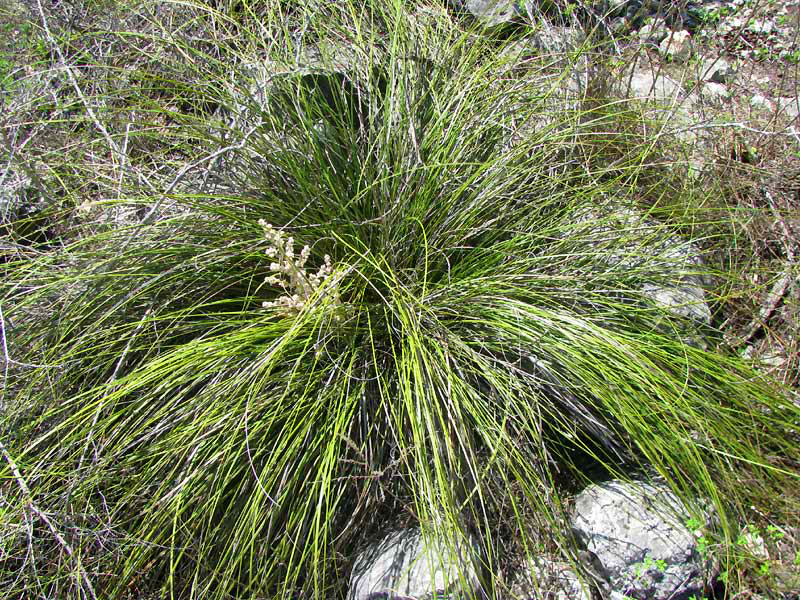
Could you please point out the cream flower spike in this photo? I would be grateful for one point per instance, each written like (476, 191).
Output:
(290, 273)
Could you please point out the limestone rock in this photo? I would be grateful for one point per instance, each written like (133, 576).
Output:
(686, 301)
(760, 102)
(405, 564)
(679, 288)
(647, 86)
(788, 106)
(617, 7)
(543, 577)
(718, 71)
(13, 188)
(677, 47)
(22, 201)
(753, 543)
(637, 532)
(653, 33)
(492, 12)
(550, 39)
(714, 92)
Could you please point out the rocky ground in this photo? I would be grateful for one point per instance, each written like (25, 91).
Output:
(726, 72)
(740, 75)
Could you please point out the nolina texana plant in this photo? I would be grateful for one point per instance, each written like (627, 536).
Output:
(226, 424)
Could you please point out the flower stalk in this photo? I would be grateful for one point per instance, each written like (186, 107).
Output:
(298, 285)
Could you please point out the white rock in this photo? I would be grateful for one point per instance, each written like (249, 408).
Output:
(406, 564)
(550, 39)
(718, 71)
(637, 532)
(548, 578)
(788, 106)
(769, 360)
(653, 33)
(19, 197)
(754, 544)
(677, 46)
(714, 92)
(734, 23)
(686, 301)
(761, 26)
(492, 12)
(759, 101)
(617, 6)
(681, 289)
(645, 85)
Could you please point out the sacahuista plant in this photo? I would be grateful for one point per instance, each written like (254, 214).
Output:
(403, 301)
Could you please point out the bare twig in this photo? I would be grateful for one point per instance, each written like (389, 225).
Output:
(7, 359)
(732, 125)
(111, 143)
(87, 584)
(778, 290)
(111, 379)
(181, 174)
(123, 157)
(13, 153)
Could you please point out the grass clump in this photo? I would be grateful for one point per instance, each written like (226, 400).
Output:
(201, 411)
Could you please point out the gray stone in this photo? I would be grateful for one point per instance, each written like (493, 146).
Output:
(653, 33)
(544, 577)
(18, 197)
(680, 288)
(646, 85)
(761, 26)
(687, 301)
(617, 7)
(753, 543)
(492, 12)
(637, 532)
(718, 71)
(618, 26)
(405, 564)
(677, 47)
(260, 77)
(760, 102)
(9, 199)
(788, 106)
(550, 39)
(714, 92)
(684, 294)
(732, 24)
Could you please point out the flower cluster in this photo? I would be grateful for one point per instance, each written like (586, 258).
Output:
(291, 275)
